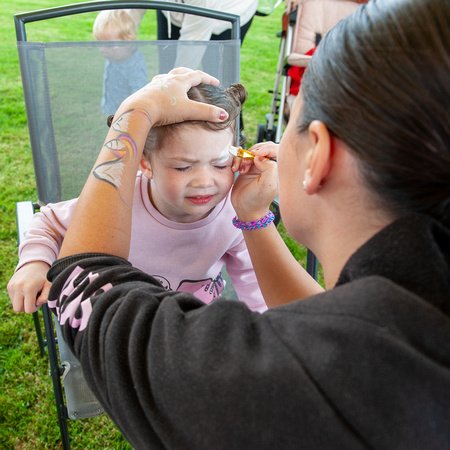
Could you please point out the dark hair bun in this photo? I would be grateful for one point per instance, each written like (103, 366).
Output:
(238, 92)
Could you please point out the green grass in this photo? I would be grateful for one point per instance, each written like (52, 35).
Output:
(27, 411)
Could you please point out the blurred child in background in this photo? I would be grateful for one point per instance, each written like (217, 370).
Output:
(125, 68)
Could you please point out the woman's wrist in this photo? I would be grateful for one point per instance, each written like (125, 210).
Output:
(254, 224)
(249, 214)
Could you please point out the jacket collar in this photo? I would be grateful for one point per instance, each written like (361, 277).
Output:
(413, 252)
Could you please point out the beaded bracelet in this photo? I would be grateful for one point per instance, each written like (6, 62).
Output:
(254, 224)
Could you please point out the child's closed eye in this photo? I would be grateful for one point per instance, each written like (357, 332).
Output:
(182, 169)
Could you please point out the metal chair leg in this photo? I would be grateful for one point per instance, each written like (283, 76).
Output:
(312, 264)
(37, 325)
(56, 372)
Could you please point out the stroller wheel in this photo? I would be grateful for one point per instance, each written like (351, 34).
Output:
(261, 133)
(271, 134)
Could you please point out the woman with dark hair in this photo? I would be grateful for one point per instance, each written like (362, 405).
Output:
(364, 182)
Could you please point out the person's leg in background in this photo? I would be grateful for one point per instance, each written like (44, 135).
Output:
(226, 35)
(167, 53)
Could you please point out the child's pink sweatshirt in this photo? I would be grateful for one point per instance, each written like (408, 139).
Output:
(182, 256)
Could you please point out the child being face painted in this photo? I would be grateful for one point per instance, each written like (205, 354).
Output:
(191, 175)
(189, 164)
(182, 214)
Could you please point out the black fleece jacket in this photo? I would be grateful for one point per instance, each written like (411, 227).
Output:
(364, 365)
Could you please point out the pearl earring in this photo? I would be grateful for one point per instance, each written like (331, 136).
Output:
(304, 185)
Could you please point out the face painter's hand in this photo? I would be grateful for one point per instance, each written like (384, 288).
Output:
(266, 149)
(165, 99)
(254, 191)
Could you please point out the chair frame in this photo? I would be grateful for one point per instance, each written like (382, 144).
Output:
(25, 210)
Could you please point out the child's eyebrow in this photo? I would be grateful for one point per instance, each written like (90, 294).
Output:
(183, 159)
(222, 159)
(224, 156)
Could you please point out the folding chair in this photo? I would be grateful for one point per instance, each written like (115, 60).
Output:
(54, 123)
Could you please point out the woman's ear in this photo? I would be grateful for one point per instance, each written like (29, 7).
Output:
(146, 168)
(319, 157)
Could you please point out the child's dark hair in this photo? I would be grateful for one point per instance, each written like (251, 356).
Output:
(230, 99)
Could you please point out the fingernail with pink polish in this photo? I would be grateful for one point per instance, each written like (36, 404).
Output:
(223, 115)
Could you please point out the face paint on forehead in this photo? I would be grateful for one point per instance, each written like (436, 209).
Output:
(224, 155)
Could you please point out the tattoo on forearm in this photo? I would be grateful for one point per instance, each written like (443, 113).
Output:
(111, 172)
(121, 124)
(123, 148)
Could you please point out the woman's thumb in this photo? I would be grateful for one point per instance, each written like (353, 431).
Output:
(269, 172)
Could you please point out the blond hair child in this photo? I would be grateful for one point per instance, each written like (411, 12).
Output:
(125, 67)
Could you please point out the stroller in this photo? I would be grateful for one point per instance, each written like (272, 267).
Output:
(302, 30)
